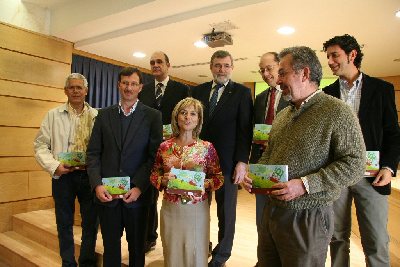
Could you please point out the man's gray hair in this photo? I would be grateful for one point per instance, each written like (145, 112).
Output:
(76, 76)
(303, 56)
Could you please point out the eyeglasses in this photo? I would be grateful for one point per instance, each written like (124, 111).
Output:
(222, 66)
(77, 88)
(268, 68)
(133, 84)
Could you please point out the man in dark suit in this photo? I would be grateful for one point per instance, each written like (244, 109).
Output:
(266, 106)
(124, 142)
(228, 115)
(162, 94)
(373, 100)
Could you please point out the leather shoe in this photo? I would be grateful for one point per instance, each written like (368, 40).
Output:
(214, 263)
(150, 245)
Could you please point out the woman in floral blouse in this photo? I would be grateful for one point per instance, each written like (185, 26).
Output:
(185, 219)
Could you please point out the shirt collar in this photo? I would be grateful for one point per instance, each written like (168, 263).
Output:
(71, 110)
(164, 82)
(345, 85)
(214, 83)
(131, 110)
(309, 97)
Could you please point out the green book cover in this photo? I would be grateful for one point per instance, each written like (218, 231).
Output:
(265, 176)
(73, 159)
(372, 164)
(117, 186)
(261, 133)
(167, 131)
(186, 182)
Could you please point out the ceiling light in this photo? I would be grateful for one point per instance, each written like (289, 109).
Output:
(139, 54)
(286, 30)
(200, 44)
(397, 13)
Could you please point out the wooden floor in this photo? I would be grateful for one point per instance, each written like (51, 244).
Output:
(244, 252)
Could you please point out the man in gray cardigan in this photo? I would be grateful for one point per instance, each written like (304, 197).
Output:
(320, 140)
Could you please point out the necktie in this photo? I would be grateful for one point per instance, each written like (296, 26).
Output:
(214, 98)
(158, 95)
(271, 105)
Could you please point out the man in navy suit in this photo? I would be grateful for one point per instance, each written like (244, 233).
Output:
(124, 141)
(228, 124)
(273, 100)
(374, 102)
(162, 94)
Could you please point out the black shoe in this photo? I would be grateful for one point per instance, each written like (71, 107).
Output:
(214, 263)
(150, 245)
(209, 249)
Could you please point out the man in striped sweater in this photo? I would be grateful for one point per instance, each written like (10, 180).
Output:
(320, 140)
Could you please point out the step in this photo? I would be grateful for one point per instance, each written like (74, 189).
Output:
(17, 250)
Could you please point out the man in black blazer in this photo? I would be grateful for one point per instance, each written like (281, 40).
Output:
(171, 92)
(269, 65)
(124, 142)
(228, 116)
(374, 102)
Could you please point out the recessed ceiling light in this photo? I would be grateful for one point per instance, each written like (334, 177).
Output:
(286, 30)
(139, 54)
(397, 13)
(200, 44)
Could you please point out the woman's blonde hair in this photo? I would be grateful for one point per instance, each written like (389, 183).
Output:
(187, 102)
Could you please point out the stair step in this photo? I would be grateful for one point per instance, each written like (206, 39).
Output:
(17, 250)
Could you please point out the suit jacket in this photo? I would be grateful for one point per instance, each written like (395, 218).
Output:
(107, 156)
(260, 105)
(378, 120)
(174, 92)
(230, 128)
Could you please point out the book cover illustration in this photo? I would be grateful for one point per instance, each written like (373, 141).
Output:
(73, 159)
(167, 131)
(117, 186)
(261, 133)
(372, 164)
(186, 182)
(265, 176)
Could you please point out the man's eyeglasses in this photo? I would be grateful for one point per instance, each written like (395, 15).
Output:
(133, 84)
(268, 68)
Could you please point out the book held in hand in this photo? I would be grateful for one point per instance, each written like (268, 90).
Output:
(117, 186)
(372, 164)
(265, 176)
(167, 131)
(261, 133)
(186, 182)
(73, 159)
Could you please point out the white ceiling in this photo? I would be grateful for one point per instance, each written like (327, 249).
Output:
(115, 29)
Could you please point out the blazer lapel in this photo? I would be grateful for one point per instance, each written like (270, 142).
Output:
(115, 123)
(366, 94)
(224, 98)
(137, 118)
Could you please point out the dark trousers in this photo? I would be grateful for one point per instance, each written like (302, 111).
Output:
(113, 221)
(65, 190)
(153, 218)
(226, 198)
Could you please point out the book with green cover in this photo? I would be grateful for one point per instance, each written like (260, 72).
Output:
(117, 186)
(73, 159)
(261, 133)
(167, 131)
(372, 164)
(186, 182)
(265, 176)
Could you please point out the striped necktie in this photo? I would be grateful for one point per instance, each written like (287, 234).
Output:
(159, 95)
(214, 98)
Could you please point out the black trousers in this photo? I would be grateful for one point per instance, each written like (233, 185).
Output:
(65, 190)
(152, 226)
(113, 221)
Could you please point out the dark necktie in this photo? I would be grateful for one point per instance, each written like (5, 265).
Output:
(214, 98)
(271, 105)
(159, 95)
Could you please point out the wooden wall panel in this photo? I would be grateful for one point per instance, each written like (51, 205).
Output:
(39, 184)
(14, 186)
(24, 68)
(31, 116)
(32, 91)
(17, 141)
(17, 164)
(21, 40)
(11, 208)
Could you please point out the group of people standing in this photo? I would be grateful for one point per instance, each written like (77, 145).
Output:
(322, 139)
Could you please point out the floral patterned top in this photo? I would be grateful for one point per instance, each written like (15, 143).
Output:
(198, 156)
